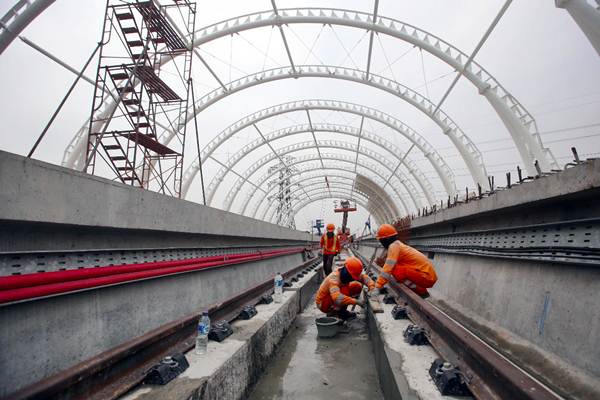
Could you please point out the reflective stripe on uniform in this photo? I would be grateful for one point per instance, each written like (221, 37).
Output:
(385, 275)
(334, 289)
(390, 262)
(339, 300)
(410, 284)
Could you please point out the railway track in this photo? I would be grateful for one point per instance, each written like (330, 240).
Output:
(113, 373)
(487, 373)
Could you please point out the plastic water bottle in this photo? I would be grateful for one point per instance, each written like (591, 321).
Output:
(203, 329)
(278, 295)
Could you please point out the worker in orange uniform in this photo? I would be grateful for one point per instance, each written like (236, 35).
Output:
(330, 246)
(342, 288)
(404, 263)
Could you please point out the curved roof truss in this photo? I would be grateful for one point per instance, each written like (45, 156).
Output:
(466, 148)
(398, 156)
(373, 193)
(519, 122)
(369, 170)
(381, 218)
(334, 144)
(442, 169)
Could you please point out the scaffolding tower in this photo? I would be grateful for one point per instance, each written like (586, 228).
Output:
(145, 66)
(284, 186)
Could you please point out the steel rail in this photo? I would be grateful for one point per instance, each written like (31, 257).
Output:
(114, 372)
(488, 374)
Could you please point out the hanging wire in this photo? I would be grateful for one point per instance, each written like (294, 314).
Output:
(397, 59)
(424, 76)
(222, 61)
(268, 47)
(385, 56)
(348, 55)
(353, 48)
(261, 51)
(305, 45)
(310, 51)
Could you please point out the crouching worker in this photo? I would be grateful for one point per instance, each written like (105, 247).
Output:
(404, 263)
(342, 288)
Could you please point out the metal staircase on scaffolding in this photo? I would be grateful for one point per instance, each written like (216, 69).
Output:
(138, 38)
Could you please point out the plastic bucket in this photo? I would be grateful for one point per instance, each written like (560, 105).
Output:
(327, 327)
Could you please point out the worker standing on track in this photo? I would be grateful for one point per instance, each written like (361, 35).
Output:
(342, 288)
(404, 263)
(330, 246)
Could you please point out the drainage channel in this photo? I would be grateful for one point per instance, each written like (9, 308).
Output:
(309, 367)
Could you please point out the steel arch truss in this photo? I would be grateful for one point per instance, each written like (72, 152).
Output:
(376, 189)
(442, 169)
(334, 144)
(380, 218)
(466, 148)
(397, 155)
(374, 194)
(517, 119)
(340, 187)
(371, 171)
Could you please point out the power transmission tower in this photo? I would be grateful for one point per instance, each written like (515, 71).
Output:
(284, 185)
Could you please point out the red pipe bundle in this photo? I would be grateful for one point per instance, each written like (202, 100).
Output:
(29, 286)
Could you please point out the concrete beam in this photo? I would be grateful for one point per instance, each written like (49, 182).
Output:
(35, 191)
(581, 180)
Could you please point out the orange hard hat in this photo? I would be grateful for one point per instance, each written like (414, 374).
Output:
(330, 227)
(354, 266)
(386, 231)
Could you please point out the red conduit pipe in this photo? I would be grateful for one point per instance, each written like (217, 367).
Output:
(25, 293)
(43, 278)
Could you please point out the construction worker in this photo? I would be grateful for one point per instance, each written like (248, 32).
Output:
(404, 263)
(330, 246)
(342, 288)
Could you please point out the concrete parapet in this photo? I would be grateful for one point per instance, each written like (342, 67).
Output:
(230, 368)
(48, 207)
(48, 335)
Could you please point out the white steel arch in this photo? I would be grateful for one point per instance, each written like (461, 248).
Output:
(347, 188)
(397, 155)
(465, 146)
(297, 207)
(342, 193)
(375, 190)
(519, 122)
(442, 169)
(334, 144)
(309, 165)
(17, 19)
(373, 193)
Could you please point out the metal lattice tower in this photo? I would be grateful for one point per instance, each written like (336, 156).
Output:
(284, 186)
(137, 39)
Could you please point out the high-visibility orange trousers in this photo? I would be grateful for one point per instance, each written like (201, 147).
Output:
(417, 280)
(352, 289)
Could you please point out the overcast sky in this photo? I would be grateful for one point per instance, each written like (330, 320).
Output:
(536, 52)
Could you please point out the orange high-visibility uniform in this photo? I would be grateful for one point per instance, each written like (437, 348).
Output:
(408, 266)
(333, 295)
(330, 246)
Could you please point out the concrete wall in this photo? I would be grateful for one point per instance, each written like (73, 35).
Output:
(42, 337)
(543, 314)
(47, 207)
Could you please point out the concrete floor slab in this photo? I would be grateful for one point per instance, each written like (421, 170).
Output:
(308, 367)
